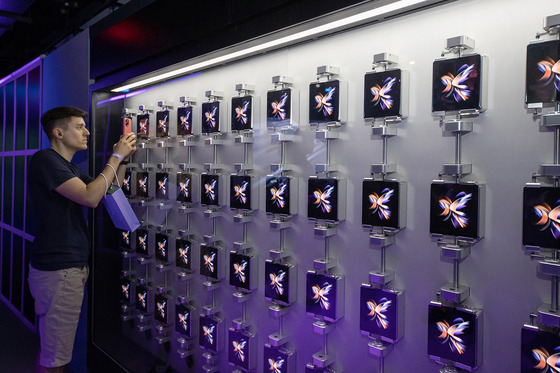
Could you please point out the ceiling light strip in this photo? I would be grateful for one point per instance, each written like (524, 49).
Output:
(299, 36)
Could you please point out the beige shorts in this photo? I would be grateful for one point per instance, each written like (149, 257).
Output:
(58, 300)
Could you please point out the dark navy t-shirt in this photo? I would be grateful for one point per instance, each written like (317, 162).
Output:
(61, 240)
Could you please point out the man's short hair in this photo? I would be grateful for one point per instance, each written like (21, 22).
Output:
(60, 116)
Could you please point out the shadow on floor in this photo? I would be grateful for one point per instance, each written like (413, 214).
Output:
(18, 344)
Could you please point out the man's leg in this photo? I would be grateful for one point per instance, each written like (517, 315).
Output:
(58, 298)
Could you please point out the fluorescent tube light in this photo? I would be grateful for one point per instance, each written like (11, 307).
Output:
(276, 43)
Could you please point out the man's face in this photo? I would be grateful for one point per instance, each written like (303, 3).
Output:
(76, 134)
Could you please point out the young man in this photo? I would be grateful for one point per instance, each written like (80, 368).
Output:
(58, 190)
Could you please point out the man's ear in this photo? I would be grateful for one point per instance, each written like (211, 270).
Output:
(57, 132)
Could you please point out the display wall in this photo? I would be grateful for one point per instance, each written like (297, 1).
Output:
(505, 148)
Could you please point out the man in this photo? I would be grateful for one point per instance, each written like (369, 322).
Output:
(58, 190)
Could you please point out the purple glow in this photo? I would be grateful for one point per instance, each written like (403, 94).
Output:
(122, 97)
(19, 71)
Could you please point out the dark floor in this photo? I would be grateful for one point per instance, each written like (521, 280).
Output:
(18, 344)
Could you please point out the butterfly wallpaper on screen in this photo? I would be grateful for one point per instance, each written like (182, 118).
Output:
(240, 192)
(209, 265)
(240, 271)
(539, 350)
(543, 72)
(277, 360)
(143, 186)
(279, 108)
(126, 291)
(142, 299)
(184, 121)
(183, 320)
(125, 239)
(183, 254)
(541, 210)
(208, 333)
(242, 113)
(380, 203)
(210, 117)
(454, 209)
(452, 334)
(161, 307)
(142, 241)
(162, 183)
(184, 187)
(382, 94)
(324, 102)
(143, 126)
(239, 349)
(322, 198)
(162, 118)
(127, 184)
(379, 312)
(209, 191)
(162, 247)
(321, 295)
(277, 282)
(457, 84)
(278, 195)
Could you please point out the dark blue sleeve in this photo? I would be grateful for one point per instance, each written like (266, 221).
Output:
(50, 169)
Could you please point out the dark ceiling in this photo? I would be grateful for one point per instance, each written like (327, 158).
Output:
(29, 28)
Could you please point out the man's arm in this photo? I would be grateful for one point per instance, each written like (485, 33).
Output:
(90, 194)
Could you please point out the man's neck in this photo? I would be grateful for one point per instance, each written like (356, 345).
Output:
(66, 153)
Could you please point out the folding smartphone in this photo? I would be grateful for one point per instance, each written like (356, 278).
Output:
(143, 184)
(211, 334)
(125, 239)
(278, 360)
(161, 308)
(210, 189)
(184, 187)
(162, 184)
(127, 183)
(459, 84)
(162, 118)
(126, 125)
(386, 94)
(241, 190)
(127, 290)
(326, 198)
(242, 271)
(279, 190)
(325, 296)
(142, 299)
(185, 320)
(384, 203)
(281, 110)
(280, 282)
(211, 118)
(541, 206)
(457, 209)
(539, 350)
(242, 349)
(542, 84)
(185, 121)
(162, 247)
(327, 102)
(143, 126)
(183, 254)
(243, 113)
(455, 334)
(211, 262)
(382, 312)
(142, 237)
